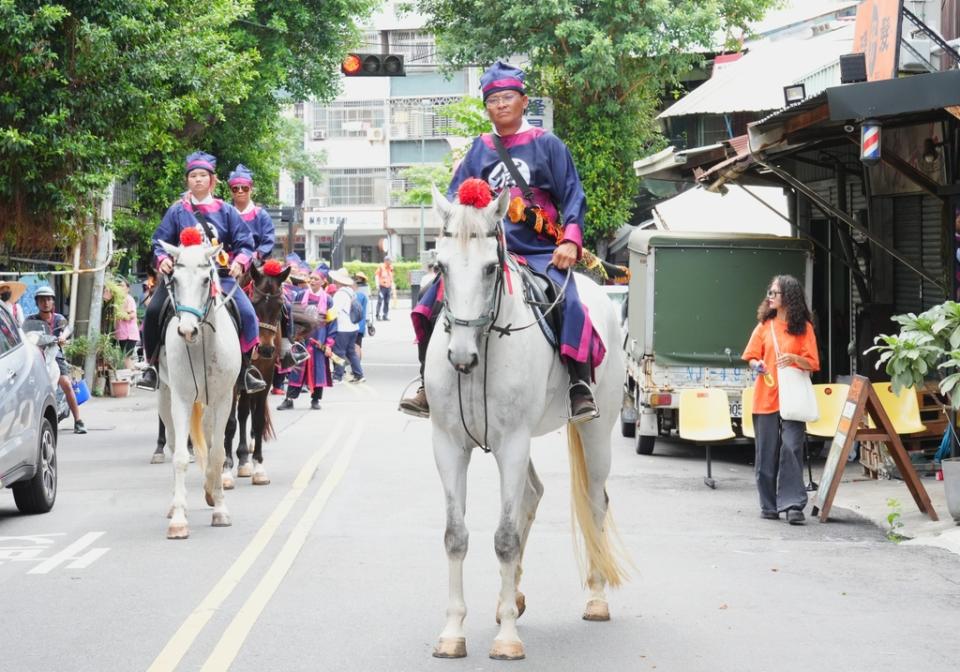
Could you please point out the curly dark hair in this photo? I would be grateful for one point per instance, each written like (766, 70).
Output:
(793, 300)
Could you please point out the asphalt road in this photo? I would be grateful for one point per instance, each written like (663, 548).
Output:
(339, 563)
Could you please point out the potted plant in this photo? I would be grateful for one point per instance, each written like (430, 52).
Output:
(113, 358)
(928, 346)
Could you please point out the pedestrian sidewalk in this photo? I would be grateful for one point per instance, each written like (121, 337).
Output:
(869, 499)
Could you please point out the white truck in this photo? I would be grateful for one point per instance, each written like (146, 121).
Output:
(692, 305)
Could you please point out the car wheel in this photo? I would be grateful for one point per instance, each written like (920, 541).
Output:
(645, 444)
(628, 428)
(39, 493)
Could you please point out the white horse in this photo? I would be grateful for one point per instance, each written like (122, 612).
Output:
(199, 365)
(518, 389)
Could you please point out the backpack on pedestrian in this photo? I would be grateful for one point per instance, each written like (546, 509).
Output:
(356, 308)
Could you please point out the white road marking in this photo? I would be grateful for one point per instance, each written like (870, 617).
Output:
(70, 554)
(236, 633)
(183, 638)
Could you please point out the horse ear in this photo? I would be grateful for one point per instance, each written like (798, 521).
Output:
(500, 205)
(255, 273)
(282, 278)
(172, 250)
(440, 203)
(213, 251)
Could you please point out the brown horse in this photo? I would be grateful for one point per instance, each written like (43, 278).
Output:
(266, 294)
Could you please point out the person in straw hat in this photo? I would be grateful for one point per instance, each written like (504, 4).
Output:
(10, 293)
(345, 345)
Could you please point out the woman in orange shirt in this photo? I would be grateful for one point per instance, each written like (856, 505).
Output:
(783, 315)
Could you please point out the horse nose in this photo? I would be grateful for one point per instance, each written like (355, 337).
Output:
(464, 368)
(188, 334)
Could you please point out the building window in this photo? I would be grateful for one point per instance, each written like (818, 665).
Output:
(351, 187)
(349, 119)
(398, 186)
(418, 47)
(419, 118)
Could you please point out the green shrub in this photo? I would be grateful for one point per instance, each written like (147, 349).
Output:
(401, 272)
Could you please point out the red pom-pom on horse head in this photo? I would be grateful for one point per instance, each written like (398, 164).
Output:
(475, 192)
(190, 237)
(272, 267)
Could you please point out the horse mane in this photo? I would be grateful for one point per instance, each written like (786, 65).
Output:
(471, 223)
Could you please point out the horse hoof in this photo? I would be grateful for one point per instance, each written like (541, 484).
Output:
(507, 650)
(158, 458)
(261, 479)
(228, 483)
(221, 520)
(207, 495)
(178, 531)
(245, 470)
(597, 610)
(521, 606)
(450, 647)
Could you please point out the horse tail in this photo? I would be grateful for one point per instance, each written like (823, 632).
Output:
(601, 554)
(268, 433)
(196, 435)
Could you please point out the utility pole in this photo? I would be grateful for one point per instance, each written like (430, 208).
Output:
(103, 236)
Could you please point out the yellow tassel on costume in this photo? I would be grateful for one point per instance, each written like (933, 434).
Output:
(515, 210)
(331, 315)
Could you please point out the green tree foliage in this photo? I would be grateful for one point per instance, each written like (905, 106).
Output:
(606, 66)
(89, 88)
(94, 91)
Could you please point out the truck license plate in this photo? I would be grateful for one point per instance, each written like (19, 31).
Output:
(735, 410)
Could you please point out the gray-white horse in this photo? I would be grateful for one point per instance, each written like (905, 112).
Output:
(517, 388)
(199, 365)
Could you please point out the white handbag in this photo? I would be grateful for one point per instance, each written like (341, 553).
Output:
(797, 399)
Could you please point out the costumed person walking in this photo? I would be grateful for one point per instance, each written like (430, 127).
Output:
(363, 296)
(217, 223)
(264, 239)
(384, 276)
(60, 327)
(347, 326)
(783, 337)
(315, 373)
(543, 226)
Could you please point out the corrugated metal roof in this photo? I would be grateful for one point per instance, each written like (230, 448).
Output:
(755, 82)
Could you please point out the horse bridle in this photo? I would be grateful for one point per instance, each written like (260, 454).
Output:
(272, 328)
(181, 308)
(488, 317)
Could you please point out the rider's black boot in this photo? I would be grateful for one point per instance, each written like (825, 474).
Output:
(583, 407)
(253, 382)
(148, 379)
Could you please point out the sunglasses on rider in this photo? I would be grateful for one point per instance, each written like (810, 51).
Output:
(240, 188)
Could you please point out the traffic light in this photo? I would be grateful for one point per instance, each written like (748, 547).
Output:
(373, 65)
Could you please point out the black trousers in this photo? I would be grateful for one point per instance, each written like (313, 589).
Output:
(151, 323)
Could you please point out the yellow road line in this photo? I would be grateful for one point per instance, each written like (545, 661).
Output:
(236, 633)
(183, 638)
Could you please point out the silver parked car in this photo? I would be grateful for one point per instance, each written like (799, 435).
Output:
(28, 421)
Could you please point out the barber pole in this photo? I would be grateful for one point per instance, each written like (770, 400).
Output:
(870, 142)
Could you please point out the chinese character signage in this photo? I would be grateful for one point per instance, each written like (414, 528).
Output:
(540, 113)
(877, 36)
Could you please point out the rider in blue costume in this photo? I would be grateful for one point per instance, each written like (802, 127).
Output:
(544, 162)
(262, 230)
(225, 226)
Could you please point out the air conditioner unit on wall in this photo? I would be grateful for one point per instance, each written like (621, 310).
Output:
(375, 134)
(319, 134)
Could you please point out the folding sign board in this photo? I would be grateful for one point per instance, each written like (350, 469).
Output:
(862, 400)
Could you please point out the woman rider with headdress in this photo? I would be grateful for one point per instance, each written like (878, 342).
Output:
(214, 220)
(543, 161)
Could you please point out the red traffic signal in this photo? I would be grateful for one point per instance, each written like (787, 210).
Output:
(373, 65)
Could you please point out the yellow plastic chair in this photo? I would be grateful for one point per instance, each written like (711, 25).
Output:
(904, 410)
(746, 410)
(830, 400)
(705, 418)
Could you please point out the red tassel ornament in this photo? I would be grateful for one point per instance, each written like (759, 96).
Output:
(190, 237)
(475, 192)
(272, 267)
